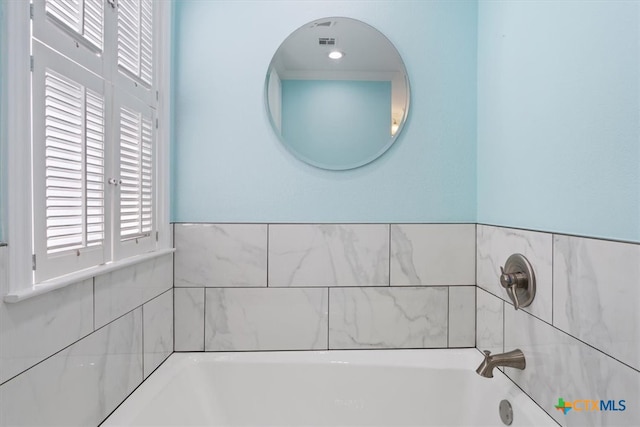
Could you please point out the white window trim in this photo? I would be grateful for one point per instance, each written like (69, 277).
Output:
(15, 33)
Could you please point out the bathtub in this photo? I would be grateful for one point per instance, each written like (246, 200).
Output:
(328, 388)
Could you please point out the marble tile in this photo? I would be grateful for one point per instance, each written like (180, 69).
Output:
(157, 321)
(462, 316)
(123, 290)
(496, 244)
(489, 322)
(221, 255)
(329, 255)
(34, 329)
(80, 385)
(266, 319)
(559, 365)
(402, 317)
(597, 293)
(433, 254)
(189, 319)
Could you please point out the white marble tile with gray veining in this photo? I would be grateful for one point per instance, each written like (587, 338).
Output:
(266, 319)
(462, 316)
(329, 255)
(189, 319)
(157, 320)
(559, 365)
(220, 255)
(490, 322)
(405, 317)
(597, 294)
(80, 385)
(123, 290)
(33, 330)
(496, 244)
(433, 254)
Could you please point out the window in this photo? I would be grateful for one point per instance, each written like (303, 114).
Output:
(98, 157)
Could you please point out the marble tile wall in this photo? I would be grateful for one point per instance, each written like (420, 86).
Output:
(583, 340)
(70, 356)
(324, 286)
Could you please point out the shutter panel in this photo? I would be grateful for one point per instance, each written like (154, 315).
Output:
(76, 28)
(135, 173)
(135, 223)
(69, 172)
(83, 18)
(135, 40)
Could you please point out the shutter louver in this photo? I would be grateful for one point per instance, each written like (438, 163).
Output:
(135, 39)
(74, 165)
(82, 17)
(136, 173)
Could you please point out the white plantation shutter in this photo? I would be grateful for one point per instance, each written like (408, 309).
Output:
(69, 113)
(74, 162)
(135, 40)
(94, 136)
(76, 28)
(136, 173)
(82, 17)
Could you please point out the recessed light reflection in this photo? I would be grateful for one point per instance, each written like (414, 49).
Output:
(336, 54)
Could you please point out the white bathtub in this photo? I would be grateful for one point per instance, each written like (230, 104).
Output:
(336, 388)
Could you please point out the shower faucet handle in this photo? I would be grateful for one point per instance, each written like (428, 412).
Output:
(510, 281)
(518, 279)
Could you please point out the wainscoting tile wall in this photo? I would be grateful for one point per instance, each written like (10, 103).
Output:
(328, 255)
(220, 255)
(405, 317)
(123, 290)
(36, 328)
(581, 344)
(62, 362)
(265, 319)
(596, 294)
(189, 319)
(433, 254)
(324, 286)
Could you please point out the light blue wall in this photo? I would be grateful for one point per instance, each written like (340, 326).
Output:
(559, 116)
(338, 123)
(230, 167)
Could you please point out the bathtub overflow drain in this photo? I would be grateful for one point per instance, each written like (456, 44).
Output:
(506, 412)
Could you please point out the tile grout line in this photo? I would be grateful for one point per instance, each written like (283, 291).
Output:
(142, 337)
(173, 285)
(328, 315)
(204, 319)
(475, 273)
(389, 277)
(553, 277)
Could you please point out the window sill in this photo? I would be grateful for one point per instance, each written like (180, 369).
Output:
(61, 282)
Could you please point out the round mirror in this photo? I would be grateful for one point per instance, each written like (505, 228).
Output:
(337, 93)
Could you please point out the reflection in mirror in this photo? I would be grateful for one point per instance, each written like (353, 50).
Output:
(337, 93)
